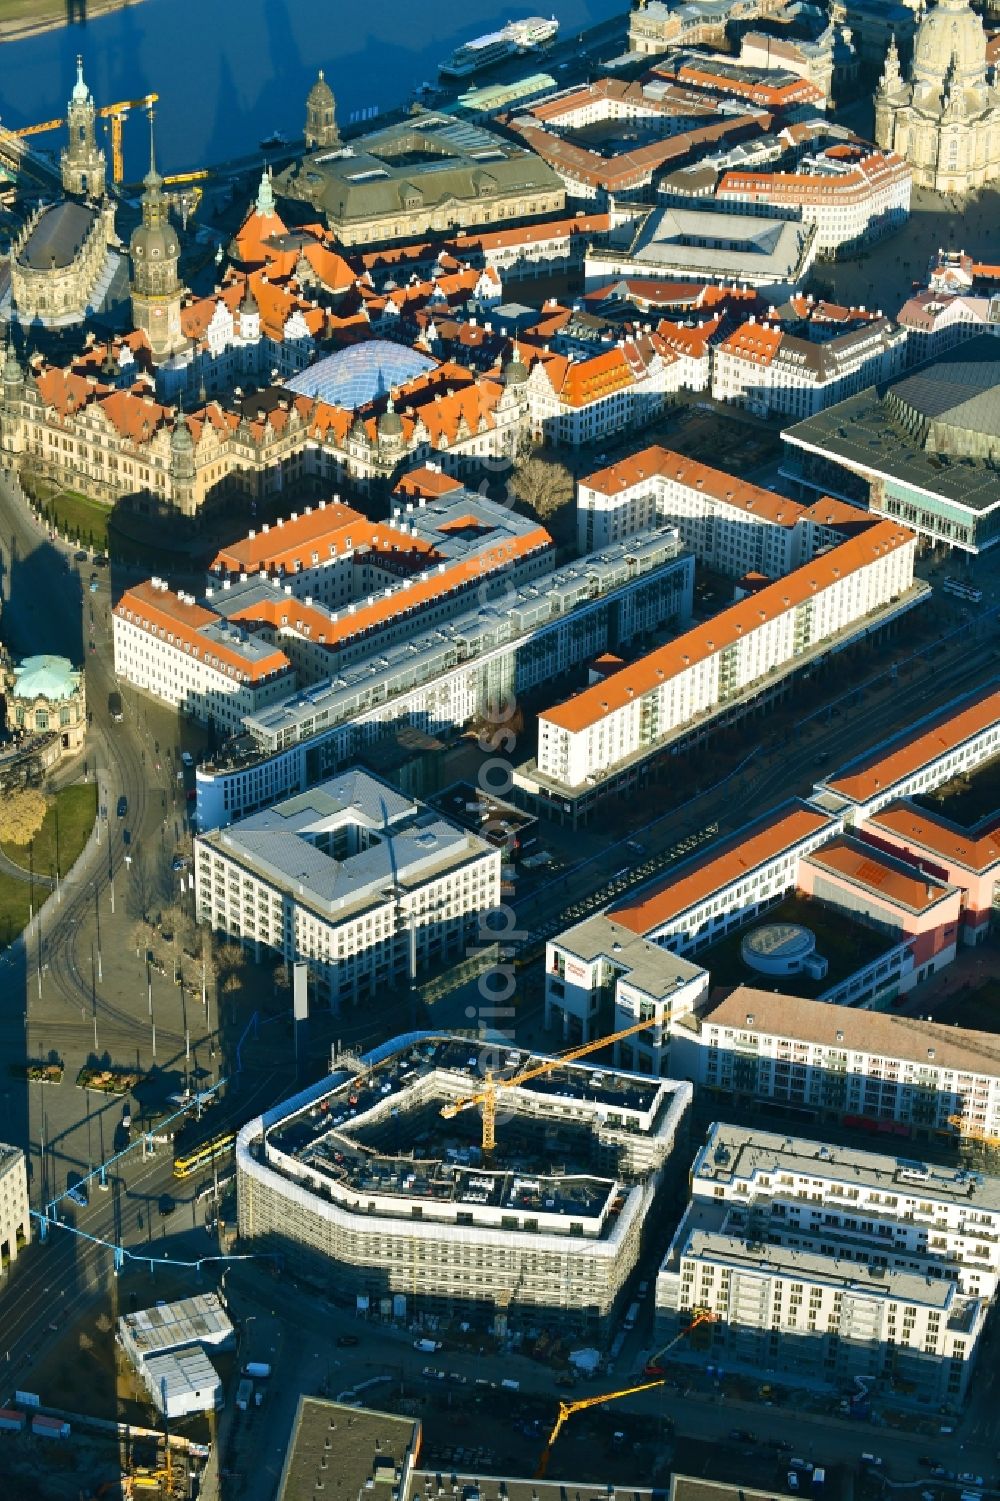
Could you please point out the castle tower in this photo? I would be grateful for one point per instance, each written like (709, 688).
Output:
(82, 161)
(155, 252)
(182, 465)
(321, 115)
(11, 434)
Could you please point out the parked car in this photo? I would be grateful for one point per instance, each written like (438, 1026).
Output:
(347, 1341)
(166, 1206)
(122, 806)
(793, 1481)
(187, 758)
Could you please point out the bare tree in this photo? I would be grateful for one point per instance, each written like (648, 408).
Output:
(139, 936)
(140, 891)
(22, 814)
(543, 484)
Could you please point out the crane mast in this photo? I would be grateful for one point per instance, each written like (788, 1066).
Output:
(492, 1083)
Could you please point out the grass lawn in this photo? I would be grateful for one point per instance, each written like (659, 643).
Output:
(13, 908)
(80, 517)
(66, 830)
(69, 510)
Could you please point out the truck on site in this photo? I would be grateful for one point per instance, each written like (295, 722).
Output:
(631, 1316)
(257, 1369)
(243, 1394)
(428, 1346)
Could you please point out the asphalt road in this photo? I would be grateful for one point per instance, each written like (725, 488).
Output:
(53, 998)
(47, 607)
(298, 1336)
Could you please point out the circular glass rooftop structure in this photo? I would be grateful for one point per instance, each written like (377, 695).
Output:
(778, 948)
(355, 376)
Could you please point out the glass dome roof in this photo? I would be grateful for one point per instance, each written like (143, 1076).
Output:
(352, 377)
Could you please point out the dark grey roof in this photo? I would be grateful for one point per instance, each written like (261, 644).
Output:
(937, 430)
(57, 238)
(344, 1448)
(960, 391)
(414, 164)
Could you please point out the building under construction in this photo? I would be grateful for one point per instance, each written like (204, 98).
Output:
(382, 1182)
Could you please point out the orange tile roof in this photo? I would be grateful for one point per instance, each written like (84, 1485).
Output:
(720, 866)
(839, 514)
(715, 483)
(64, 391)
(871, 171)
(590, 380)
(879, 773)
(252, 236)
(700, 74)
(163, 614)
(284, 541)
(331, 268)
(754, 341)
(535, 233)
(685, 339)
(421, 592)
(726, 629)
(877, 874)
(904, 821)
(425, 483)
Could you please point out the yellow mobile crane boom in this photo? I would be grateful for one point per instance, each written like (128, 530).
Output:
(117, 113)
(567, 1409)
(487, 1096)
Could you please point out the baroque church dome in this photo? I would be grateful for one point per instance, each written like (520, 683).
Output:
(950, 46)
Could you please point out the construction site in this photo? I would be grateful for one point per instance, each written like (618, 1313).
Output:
(445, 1175)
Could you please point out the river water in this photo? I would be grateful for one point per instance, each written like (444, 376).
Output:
(231, 71)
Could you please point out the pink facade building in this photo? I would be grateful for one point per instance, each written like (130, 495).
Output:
(942, 850)
(919, 909)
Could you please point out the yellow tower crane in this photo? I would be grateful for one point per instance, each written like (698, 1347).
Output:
(492, 1083)
(117, 113)
(567, 1409)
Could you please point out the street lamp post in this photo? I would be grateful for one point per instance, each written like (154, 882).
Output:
(97, 915)
(93, 997)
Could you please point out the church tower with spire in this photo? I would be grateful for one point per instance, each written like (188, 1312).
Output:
(82, 161)
(321, 116)
(155, 252)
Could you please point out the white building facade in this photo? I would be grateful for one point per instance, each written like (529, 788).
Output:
(846, 1065)
(766, 369)
(810, 1270)
(176, 651)
(598, 962)
(603, 726)
(15, 1221)
(362, 884)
